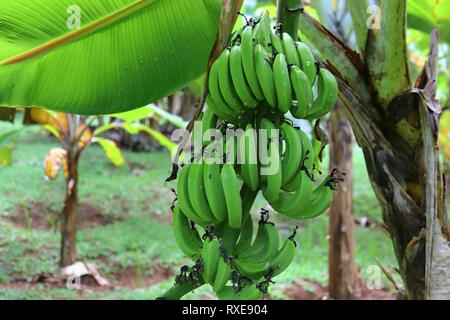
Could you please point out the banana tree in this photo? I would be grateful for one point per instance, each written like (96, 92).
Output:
(395, 123)
(74, 133)
(8, 140)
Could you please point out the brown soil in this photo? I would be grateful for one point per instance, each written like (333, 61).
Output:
(138, 169)
(296, 291)
(89, 216)
(165, 218)
(38, 216)
(131, 277)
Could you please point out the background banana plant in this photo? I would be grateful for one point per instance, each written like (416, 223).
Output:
(75, 133)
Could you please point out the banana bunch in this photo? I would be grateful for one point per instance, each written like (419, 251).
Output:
(217, 198)
(228, 255)
(265, 69)
(252, 85)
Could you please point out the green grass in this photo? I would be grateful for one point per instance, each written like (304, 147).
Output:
(137, 202)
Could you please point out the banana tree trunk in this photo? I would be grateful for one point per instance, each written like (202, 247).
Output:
(395, 124)
(69, 217)
(342, 269)
(399, 157)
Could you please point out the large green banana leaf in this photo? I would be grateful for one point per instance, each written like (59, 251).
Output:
(127, 53)
(425, 15)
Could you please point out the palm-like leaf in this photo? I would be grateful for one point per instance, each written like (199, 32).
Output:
(126, 54)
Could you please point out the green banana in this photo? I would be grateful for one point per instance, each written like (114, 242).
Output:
(249, 167)
(258, 244)
(264, 73)
(222, 275)
(210, 256)
(307, 150)
(261, 32)
(276, 43)
(303, 92)
(183, 197)
(232, 196)
(226, 84)
(245, 237)
(238, 78)
(271, 243)
(248, 62)
(264, 143)
(268, 235)
(282, 83)
(320, 201)
(229, 149)
(270, 259)
(186, 235)
(236, 35)
(250, 292)
(289, 203)
(214, 191)
(307, 62)
(327, 96)
(307, 162)
(197, 193)
(222, 111)
(228, 236)
(215, 91)
(209, 120)
(271, 190)
(252, 268)
(293, 152)
(290, 50)
(283, 259)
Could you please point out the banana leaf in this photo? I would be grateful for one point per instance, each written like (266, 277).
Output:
(125, 53)
(425, 15)
(111, 149)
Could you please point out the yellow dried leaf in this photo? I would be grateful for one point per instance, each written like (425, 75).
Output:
(57, 120)
(86, 135)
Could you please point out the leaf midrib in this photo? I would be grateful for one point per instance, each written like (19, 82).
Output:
(79, 33)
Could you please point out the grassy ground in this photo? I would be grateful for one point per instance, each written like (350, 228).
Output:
(125, 228)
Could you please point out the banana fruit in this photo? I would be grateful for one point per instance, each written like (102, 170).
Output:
(186, 235)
